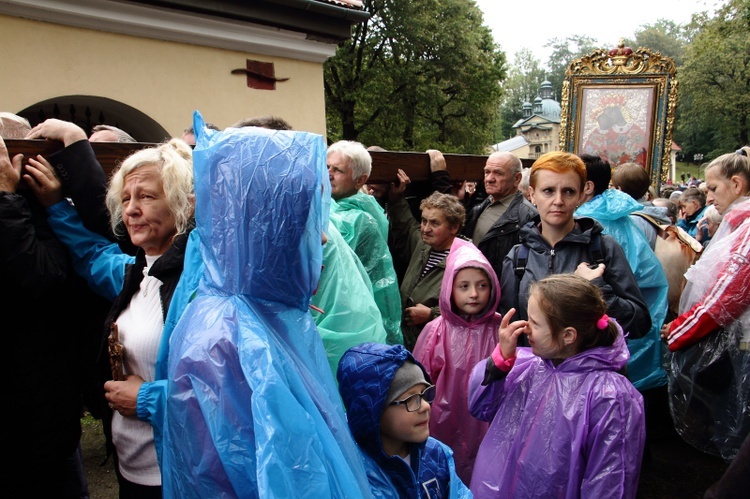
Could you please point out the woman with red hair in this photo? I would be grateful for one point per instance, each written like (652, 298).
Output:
(558, 243)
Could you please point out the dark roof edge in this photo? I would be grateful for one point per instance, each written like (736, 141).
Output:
(310, 16)
(330, 8)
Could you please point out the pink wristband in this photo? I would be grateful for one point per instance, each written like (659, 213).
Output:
(500, 362)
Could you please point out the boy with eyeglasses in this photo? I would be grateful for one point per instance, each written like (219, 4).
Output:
(387, 396)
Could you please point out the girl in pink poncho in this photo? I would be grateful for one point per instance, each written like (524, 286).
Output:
(450, 345)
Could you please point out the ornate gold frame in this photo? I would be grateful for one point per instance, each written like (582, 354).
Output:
(623, 74)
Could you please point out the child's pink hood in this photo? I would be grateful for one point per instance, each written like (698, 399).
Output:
(464, 254)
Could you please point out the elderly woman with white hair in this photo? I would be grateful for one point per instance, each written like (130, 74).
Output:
(708, 225)
(151, 195)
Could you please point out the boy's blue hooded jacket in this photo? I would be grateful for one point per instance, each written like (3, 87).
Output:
(364, 375)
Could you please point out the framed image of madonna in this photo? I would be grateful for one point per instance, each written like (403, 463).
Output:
(619, 105)
(616, 123)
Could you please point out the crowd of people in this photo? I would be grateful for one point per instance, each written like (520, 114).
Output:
(250, 318)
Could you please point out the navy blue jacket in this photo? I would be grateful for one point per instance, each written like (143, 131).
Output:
(365, 373)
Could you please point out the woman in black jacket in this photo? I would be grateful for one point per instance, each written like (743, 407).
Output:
(556, 243)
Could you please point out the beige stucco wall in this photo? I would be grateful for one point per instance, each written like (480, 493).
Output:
(522, 152)
(548, 139)
(165, 80)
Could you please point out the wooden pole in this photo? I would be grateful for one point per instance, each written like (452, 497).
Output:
(384, 164)
(109, 154)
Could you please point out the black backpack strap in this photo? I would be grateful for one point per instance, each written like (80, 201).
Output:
(522, 256)
(595, 249)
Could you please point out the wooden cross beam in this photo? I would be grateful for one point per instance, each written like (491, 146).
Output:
(384, 164)
(109, 154)
(417, 166)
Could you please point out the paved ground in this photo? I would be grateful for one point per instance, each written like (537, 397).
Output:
(672, 469)
(100, 474)
(677, 471)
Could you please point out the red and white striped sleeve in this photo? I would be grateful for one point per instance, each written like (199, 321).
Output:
(726, 300)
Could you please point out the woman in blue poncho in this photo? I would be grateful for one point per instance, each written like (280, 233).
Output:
(252, 407)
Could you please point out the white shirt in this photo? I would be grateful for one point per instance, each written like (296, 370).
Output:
(140, 326)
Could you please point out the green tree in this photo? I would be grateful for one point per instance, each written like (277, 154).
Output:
(715, 82)
(564, 50)
(524, 78)
(526, 75)
(666, 37)
(417, 75)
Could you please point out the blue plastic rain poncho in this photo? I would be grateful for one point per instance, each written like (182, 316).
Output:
(252, 407)
(449, 348)
(575, 430)
(612, 209)
(364, 226)
(365, 374)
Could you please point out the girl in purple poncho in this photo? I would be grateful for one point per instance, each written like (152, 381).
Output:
(451, 345)
(564, 422)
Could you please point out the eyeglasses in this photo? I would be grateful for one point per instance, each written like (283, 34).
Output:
(741, 152)
(412, 403)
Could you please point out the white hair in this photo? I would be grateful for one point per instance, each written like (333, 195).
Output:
(13, 126)
(358, 157)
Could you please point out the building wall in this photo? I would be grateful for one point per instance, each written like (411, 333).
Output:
(165, 80)
(522, 152)
(548, 140)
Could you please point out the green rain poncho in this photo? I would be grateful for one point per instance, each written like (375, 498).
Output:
(362, 223)
(349, 314)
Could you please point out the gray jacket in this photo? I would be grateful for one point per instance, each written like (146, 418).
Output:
(624, 300)
(659, 214)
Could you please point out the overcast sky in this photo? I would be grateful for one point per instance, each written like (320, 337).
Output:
(518, 24)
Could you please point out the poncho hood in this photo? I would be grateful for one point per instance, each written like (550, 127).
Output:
(609, 205)
(247, 233)
(252, 406)
(611, 358)
(464, 254)
(366, 203)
